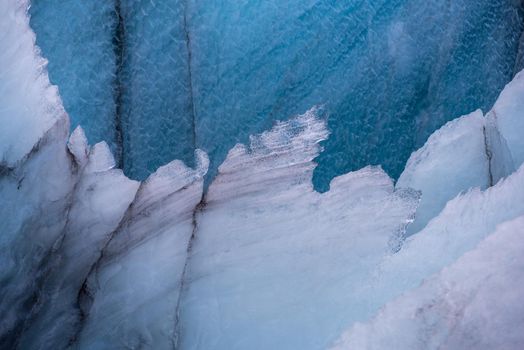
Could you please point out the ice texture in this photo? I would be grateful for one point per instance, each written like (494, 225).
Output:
(490, 148)
(131, 296)
(475, 303)
(156, 110)
(26, 96)
(79, 39)
(273, 257)
(431, 168)
(508, 118)
(200, 74)
(90, 259)
(100, 198)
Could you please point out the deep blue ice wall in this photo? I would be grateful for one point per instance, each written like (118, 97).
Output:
(77, 38)
(389, 71)
(209, 73)
(156, 105)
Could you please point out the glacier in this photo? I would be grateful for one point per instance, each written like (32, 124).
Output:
(258, 259)
(190, 74)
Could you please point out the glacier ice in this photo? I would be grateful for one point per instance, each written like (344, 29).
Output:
(490, 147)
(78, 39)
(267, 242)
(430, 168)
(26, 96)
(475, 303)
(200, 74)
(90, 259)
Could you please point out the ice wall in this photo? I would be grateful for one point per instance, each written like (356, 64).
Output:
(79, 38)
(273, 257)
(91, 259)
(209, 74)
(473, 303)
(490, 148)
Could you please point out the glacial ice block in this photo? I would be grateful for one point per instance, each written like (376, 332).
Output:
(208, 74)
(99, 200)
(470, 151)
(508, 117)
(29, 105)
(454, 159)
(276, 265)
(475, 303)
(463, 223)
(131, 296)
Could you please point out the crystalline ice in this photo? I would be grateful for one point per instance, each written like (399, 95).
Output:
(464, 222)
(508, 117)
(100, 198)
(157, 112)
(452, 160)
(273, 257)
(78, 38)
(209, 74)
(131, 295)
(471, 151)
(23, 83)
(91, 259)
(473, 304)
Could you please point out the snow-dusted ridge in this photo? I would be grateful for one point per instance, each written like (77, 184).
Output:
(93, 260)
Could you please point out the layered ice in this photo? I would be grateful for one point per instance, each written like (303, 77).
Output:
(273, 257)
(475, 303)
(131, 295)
(199, 74)
(90, 259)
(439, 174)
(490, 148)
(26, 96)
(100, 198)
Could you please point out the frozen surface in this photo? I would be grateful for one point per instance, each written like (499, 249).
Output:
(473, 304)
(90, 259)
(131, 296)
(271, 257)
(78, 38)
(453, 160)
(26, 97)
(508, 117)
(465, 221)
(155, 81)
(470, 151)
(209, 74)
(101, 197)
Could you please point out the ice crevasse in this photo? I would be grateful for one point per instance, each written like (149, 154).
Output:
(91, 259)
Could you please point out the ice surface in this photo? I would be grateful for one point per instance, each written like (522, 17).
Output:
(453, 160)
(389, 72)
(131, 295)
(78, 39)
(508, 117)
(473, 304)
(156, 98)
(471, 151)
(465, 221)
(209, 74)
(271, 257)
(93, 260)
(100, 198)
(26, 97)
